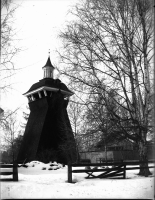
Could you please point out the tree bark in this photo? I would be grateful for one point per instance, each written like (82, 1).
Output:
(143, 158)
(105, 153)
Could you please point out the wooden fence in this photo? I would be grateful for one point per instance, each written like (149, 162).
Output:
(118, 169)
(14, 172)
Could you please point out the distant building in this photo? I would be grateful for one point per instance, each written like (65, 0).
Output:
(123, 150)
(115, 145)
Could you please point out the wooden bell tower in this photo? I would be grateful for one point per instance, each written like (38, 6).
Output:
(48, 128)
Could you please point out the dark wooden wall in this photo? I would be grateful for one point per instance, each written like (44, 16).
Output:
(48, 128)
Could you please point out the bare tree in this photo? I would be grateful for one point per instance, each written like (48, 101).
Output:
(8, 45)
(9, 130)
(98, 117)
(75, 112)
(25, 117)
(112, 40)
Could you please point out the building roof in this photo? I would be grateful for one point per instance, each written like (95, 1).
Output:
(48, 63)
(113, 140)
(48, 82)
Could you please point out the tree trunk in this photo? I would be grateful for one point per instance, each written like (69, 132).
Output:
(13, 157)
(143, 158)
(105, 153)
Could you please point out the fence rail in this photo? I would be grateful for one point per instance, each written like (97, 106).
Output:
(14, 173)
(118, 169)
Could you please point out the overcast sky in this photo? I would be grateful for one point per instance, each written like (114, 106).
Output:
(37, 24)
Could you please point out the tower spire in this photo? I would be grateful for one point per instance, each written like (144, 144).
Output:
(48, 68)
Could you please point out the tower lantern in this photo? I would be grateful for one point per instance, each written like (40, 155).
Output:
(48, 69)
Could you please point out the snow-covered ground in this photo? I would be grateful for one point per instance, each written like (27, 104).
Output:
(41, 180)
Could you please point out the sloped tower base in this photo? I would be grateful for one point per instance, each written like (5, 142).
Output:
(48, 131)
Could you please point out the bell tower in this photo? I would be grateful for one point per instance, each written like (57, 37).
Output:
(48, 130)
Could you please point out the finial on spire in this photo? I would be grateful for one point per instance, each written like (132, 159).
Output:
(49, 52)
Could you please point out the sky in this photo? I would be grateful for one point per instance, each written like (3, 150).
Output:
(37, 24)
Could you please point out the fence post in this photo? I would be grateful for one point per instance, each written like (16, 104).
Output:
(124, 176)
(69, 173)
(15, 172)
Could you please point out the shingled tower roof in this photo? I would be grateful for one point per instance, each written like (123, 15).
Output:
(48, 83)
(48, 63)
